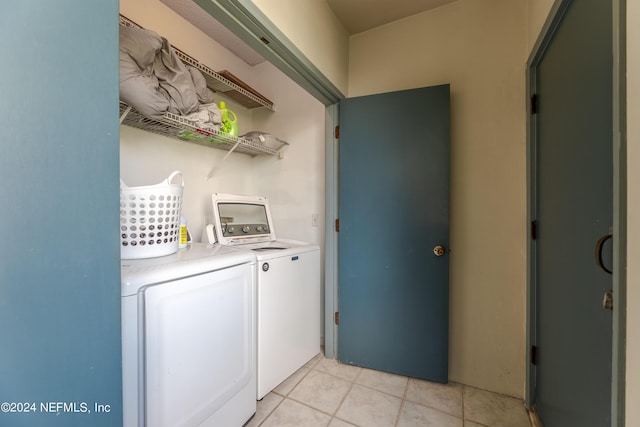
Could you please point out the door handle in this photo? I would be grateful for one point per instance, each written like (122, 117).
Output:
(599, 244)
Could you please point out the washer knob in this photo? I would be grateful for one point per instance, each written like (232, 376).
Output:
(245, 229)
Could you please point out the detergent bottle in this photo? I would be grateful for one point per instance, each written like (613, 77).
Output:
(229, 120)
(183, 235)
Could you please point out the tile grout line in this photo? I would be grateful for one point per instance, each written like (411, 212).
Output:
(286, 396)
(433, 408)
(313, 368)
(402, 402)
(403, 399)
(462, 403)
(353, 381)
(271, 412)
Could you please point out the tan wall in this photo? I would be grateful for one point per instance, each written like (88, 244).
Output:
(633, 213)
(537, 12)
(316, 31)
(480, 48)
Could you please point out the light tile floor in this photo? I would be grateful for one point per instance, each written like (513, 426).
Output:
(327, 393)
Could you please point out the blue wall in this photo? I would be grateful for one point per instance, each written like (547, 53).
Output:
(59, 256)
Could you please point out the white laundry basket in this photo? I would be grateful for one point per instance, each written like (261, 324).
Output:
(150, 218)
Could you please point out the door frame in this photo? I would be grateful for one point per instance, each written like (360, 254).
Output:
(618, 350)
(332, 151)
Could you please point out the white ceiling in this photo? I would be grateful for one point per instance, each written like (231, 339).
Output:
(362, 15)
(355, 15)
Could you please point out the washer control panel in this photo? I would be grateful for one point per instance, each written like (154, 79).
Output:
(243, 229)
(242, 219)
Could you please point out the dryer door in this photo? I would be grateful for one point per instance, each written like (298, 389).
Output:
(199, 347)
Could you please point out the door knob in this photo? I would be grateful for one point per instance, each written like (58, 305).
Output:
(439, 250)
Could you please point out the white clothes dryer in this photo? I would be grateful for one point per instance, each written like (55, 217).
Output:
(188, 338)
(288, 287)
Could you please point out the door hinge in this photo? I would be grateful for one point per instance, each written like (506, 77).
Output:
(534, 230)
(534, 104)
(336, 318)
(534, 355)
(337, 225)
(336, 133)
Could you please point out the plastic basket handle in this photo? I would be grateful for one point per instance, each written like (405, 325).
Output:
(166, 182)
(173, 175)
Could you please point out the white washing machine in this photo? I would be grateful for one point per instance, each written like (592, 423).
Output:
(288, 285)
(188, 338)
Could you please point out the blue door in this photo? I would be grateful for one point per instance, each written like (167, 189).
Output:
(574, 208)
(60, 263)
(394, 232)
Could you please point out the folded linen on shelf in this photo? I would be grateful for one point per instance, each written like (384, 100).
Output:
(208, 116)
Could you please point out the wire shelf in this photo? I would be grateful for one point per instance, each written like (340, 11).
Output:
(175, 126)
(215, 81)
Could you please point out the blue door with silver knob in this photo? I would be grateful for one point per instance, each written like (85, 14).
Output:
(394, 232)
